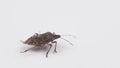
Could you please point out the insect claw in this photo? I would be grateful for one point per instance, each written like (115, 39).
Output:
(55, 51)
(24, 51)
(46, 56)
(21, 52)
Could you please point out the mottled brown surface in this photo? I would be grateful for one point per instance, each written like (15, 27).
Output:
(41, 39)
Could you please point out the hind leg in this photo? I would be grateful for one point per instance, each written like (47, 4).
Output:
(28, 49)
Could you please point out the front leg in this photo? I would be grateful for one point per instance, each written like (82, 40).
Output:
(48, 50)
(55, 46)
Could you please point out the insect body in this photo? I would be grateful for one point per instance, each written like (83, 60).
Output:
(43, 39)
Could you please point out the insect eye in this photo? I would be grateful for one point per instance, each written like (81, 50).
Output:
(54, 33)
(36, 34)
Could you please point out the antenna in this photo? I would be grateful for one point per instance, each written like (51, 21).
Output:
(67, 41)
(69, 35)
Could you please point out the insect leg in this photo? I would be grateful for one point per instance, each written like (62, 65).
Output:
(55, 46)
(28, 49)
(48, 50)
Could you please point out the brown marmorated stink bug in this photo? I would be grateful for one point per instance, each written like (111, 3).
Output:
(43, 39)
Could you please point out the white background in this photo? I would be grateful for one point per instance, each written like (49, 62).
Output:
(95, 23)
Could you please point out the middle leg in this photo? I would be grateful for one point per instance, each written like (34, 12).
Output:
(55, 46)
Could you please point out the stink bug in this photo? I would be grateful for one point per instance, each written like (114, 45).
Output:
(43, 39)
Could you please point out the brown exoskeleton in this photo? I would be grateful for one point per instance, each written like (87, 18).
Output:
(43, 39)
